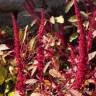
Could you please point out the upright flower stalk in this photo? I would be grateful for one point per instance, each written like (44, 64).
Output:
(83, 56)
(20, 79)
(29, 6)
(39, 47)
(91, 29)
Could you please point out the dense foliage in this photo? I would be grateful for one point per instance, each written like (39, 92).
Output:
(53, 56)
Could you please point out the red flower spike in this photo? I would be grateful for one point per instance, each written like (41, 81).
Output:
(91, 27)
(40, 32)
(83, 56)
(20, 79)
(40, 49)
(28, 4)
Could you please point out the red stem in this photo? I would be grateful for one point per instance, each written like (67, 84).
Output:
(72, 56)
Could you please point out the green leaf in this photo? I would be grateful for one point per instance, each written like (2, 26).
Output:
(83, 14)
(1, 94)
(1, 79)
(11, 94)
(72, 19)
(69, 6)
(9, 84)
(32, 44)
(3, 75)
(7, 89)
(22, 35)
(11, 33)
(73, 36)
(86, 24)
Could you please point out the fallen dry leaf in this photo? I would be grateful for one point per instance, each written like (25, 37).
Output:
(36, 94)
(55, 73)
(92, 55)
(75, 92)
(3, 47)
(48, 83)
(31, 81)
